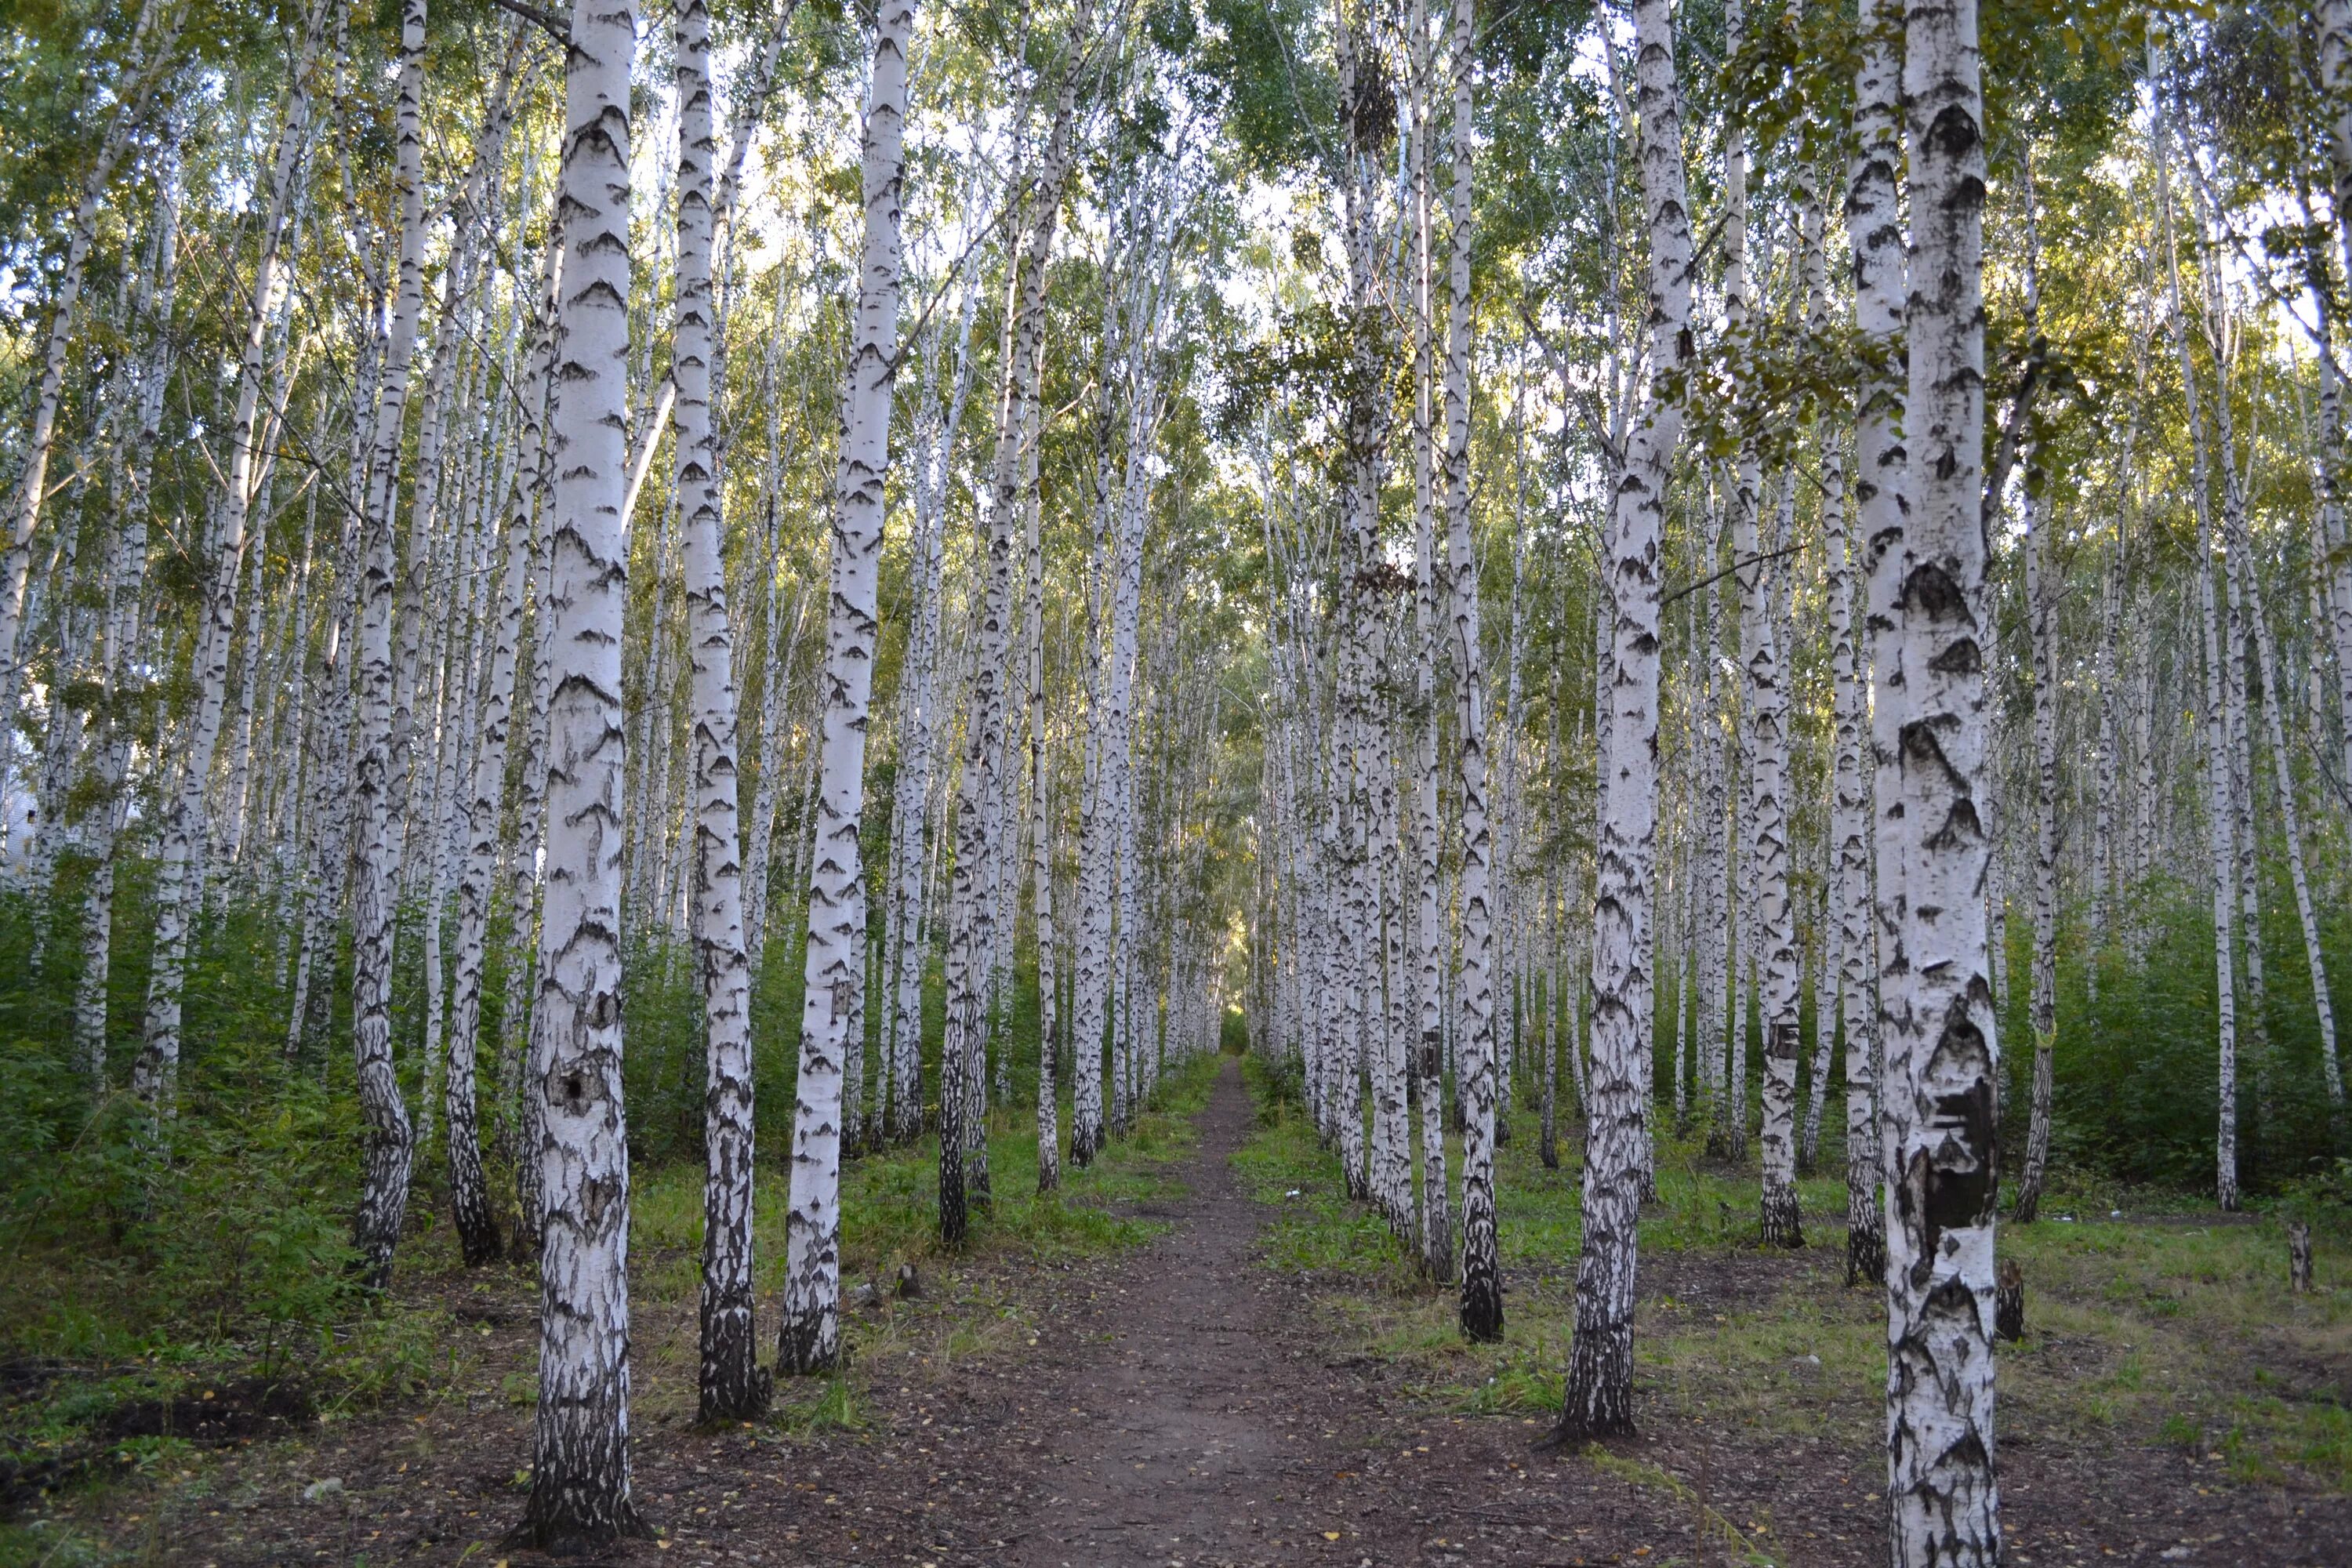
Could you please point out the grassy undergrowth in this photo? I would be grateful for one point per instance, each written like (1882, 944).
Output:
(78, 1386)
(2165, 1324)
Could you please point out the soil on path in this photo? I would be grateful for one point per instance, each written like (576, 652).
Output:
(1185, 1408)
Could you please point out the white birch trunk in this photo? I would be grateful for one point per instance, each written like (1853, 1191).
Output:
(1600, 1388)
(389, 1139)
(580, 1469)
(154, 1075)
(2041, 618)
(2220, 811)
(125, 604)
(731, 1387)
(809, 1337)
(2273, 676)
(1482, 1278)
(1943, 1057)
(476, 1224)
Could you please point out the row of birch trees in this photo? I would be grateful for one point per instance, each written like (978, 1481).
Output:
(497, 530)
(1919, 536)
(903, 570)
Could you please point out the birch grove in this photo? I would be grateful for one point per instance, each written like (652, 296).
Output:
(1585, 590)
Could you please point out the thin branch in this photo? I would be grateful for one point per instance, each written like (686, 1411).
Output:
(557, 27)
(1719, 577)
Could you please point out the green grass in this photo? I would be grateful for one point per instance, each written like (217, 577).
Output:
(410, 1348)
(2170, 1326)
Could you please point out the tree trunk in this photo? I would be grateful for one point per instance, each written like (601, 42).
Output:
(389, 1139)
(1482, 1281)
(469, 1194)
(580, 1469)
(2041, 616)
(1943, 1055)
(732, 1386)
(1599, 1392)
(155, 1074)
(2220, 811)
(808, 1339)
(1436, 1252)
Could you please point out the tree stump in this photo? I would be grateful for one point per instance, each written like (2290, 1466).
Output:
(2298, 1257)
(2009, 1302)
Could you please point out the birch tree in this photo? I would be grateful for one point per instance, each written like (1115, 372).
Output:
(580, 1492)
(731, 1387)
(1942, 1048)
(809, 1338)
(1599, 1399)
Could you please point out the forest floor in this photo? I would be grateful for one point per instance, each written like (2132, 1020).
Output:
(1200, 1354)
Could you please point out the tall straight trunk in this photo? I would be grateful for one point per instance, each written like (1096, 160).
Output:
(383, 1179)
(1041, 854)
(2107, 777)
(1547, 1033)
(1365, 433)
(155, 1073)
(2221, 813)
(425, 526)
(1826, 960)
(1600, 1389)
(920, 733)
(2335, 18)
(153, 37)
(2272, 674)
(1874, 226)
(1773, 931)
(580, 1463)
(809, 1336)
(1943, 1055)
(730, 1384)
(1713, 1001)
(2041, 616)
(1849, 910)
(783, 647)
(1429, 928)
(519, 1052)
(1482, 1277)
(2334, 570)
(476, 1225)
(120, 667)
(1400, 1020)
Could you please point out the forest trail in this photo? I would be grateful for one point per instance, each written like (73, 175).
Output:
(1187, 1406)
(1187, 1421)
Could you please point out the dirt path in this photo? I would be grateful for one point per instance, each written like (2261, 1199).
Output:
(1196, 1410)
(1184, 1408)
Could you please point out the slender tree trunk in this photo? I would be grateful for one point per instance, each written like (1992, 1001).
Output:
(1041, 849)
(2273, 677)
(1850, 911)
(2220, 811)
(1599, 1392)
(155, 1073)
(120, 667)
(580, 1469)
(2042, 616)
(1429, 929)
(1482, 1281)
(808, 1339)
(384, 1190)
(732, 1387)
(469, 1192)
